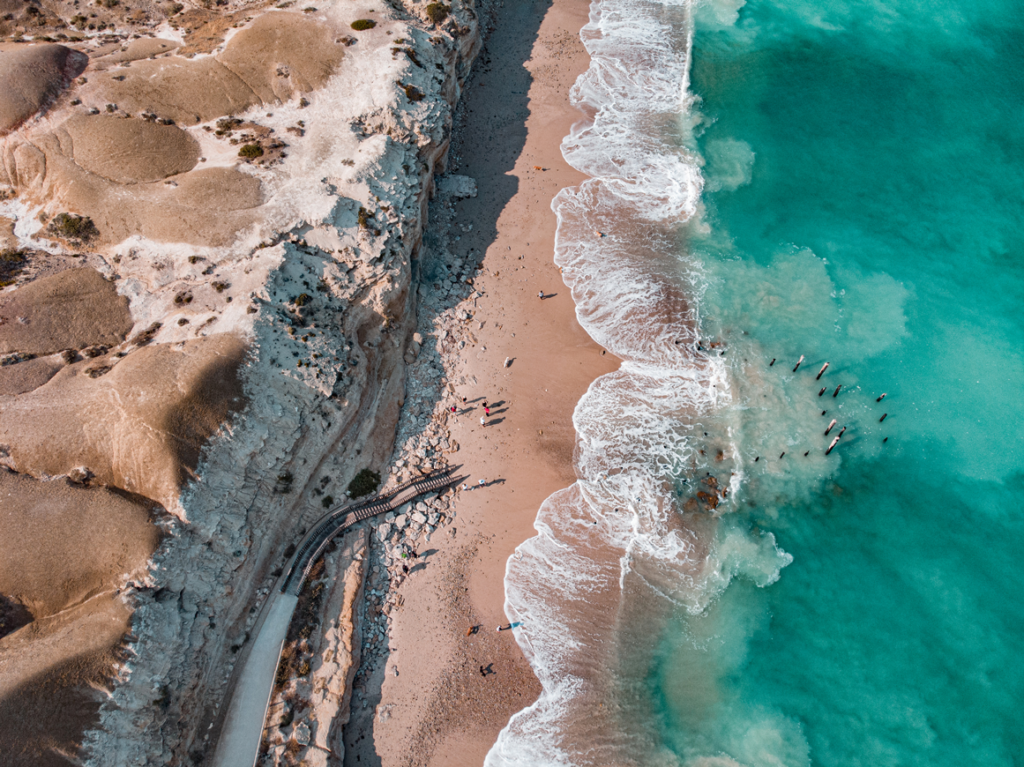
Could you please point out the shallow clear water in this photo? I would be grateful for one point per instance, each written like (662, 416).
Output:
(841, 180)
(864, 188)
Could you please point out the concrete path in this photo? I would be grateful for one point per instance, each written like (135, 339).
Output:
(240, 739)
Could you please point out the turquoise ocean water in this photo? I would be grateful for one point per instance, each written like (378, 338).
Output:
(841, 180)
(864, 195)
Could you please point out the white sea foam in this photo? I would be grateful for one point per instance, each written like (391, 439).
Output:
(614, 556)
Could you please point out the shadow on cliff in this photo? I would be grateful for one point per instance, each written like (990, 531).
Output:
(490, 135)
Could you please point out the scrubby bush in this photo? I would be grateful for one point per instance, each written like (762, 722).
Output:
(363, 24)
(327, 501)
(438, 12)
(11, 263)
(73, 228)
(250, 151)
(364, 218)
(303, 299)
(412, 92)
(364, 483)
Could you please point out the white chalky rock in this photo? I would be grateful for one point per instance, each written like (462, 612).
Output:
(433, 518)
(401, 521)
(383, 530)
(419, 518)
(302, 734)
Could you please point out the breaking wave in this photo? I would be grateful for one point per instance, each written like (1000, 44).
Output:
(641, 535)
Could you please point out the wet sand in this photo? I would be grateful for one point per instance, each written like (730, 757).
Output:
(440, 708)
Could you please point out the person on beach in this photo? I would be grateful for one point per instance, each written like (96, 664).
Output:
(453, 409)
(487, 412)
(540, 295)
(505, 628)
(481, 483)
(483, 421)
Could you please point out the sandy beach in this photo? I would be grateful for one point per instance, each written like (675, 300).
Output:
(434, 704)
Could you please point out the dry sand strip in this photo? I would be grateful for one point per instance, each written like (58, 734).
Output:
(433, 705)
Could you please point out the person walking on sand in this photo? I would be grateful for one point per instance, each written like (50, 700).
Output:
(487, 412)
(481, 483)
(505, 628)
(540, 295)
(483, 421)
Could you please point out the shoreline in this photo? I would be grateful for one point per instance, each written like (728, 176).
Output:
(429, 702)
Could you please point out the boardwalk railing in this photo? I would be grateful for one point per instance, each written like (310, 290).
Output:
(329, 525)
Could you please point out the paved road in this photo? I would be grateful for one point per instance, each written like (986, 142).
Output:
(243, 726)
(242, 730)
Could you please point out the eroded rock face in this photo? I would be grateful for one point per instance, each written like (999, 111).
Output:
(32, 76)
(277, 56)
(72, 309)
(137, 423)
(69, 584)
(129, 150)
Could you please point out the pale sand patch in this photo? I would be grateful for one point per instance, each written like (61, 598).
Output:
(68, 310)
(32, 76)
(141, 425)
(64, 550)
(441, 710)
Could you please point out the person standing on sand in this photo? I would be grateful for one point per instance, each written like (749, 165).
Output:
(487, 412)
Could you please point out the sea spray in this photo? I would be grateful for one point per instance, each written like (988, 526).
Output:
(629, 546)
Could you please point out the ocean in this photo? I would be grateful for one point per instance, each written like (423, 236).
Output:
(773, 183)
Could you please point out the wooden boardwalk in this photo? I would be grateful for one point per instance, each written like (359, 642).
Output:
(332, 523)
(250, 691)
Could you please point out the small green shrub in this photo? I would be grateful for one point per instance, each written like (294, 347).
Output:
(220, 287)
(73, 228)
(363, 24)
(364, 218)
(327, 501)
(303, 299)
(304, 668)
(364, 483)
(250, 151)
(438, 12)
